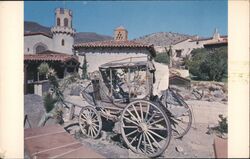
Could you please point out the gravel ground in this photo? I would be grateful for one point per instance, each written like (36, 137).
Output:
(195, 144)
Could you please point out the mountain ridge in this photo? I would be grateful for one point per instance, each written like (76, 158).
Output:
(162, 39)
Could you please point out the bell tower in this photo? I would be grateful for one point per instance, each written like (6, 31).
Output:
(216, 34)
(63, 32)
(120, 34)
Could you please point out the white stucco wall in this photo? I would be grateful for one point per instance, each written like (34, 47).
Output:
(31, 41)
(96, 59)
(186, 46)
(68, 43)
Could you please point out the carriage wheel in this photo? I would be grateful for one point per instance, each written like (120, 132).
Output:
(145, 128)
(182, 118)
(90, 122)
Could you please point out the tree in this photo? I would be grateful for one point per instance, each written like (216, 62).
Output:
(208, 65)
(84, 68)
(162, 58)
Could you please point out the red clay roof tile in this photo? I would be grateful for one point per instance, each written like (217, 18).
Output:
(49, 56)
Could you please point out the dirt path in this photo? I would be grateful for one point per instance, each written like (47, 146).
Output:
(195, 144)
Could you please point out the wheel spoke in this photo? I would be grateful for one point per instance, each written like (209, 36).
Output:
(137, 113)
(83, 116)
(154, 128)
(131, 121)
(181, 127)
(133, 116)
(82, 120)
(91, 131)
(94, 131)
(95, 125)
(95, 128)
(141, 112)
(134, 139)
(144, 140)
(128, 126)
(156, 134)
(139, 142)
(156, 121)
(147, 112)
(132, 132)
(159, 146)
(151, 118)
(88, 131)
(149, 142)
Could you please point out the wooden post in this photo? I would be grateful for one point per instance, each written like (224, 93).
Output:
(25, 78)
(71, 112)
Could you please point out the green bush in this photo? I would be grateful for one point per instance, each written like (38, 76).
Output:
(49, 102)
(162, 58)
(208, 65)
(223, 126)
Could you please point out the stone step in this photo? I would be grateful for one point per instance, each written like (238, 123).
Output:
(54, 142)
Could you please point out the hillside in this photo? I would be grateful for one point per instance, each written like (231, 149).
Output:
(162, 38)
(80, 37)
(30, 27)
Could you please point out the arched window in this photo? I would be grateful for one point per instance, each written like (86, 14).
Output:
(66, 21)
(40, 49)
(58, 22)
(62, 42)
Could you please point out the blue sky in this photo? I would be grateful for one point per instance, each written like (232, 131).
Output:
(193, 17)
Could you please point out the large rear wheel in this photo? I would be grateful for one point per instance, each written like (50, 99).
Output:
(181, 115)
(145, 128)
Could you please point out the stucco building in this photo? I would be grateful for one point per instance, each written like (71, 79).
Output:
(100, 52)
(182, 49)
(60, 40)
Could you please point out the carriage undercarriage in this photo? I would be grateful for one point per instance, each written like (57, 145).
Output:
(146, 122)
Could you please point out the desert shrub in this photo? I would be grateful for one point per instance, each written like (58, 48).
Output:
(49, 102)
(208, 65)
(162, 58)
(223, 125)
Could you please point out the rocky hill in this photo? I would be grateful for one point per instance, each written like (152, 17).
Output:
(162, 39)
(30, 27)
(80, 37)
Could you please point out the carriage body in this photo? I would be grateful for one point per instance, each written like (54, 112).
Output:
(122, 91)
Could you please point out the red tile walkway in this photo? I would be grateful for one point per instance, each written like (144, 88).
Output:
(55, 142)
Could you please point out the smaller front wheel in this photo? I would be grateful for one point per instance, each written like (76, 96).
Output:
(90, 122)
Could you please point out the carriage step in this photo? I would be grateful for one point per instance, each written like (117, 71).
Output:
(54, 142)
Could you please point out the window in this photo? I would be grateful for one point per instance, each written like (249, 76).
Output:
(40, 49)
(66, 22)
(61, 11)
(62, 42)
(119, 36)
(178, 53)
(58, 21)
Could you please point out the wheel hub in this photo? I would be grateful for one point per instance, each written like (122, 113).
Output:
(143, 127)
(89, 121)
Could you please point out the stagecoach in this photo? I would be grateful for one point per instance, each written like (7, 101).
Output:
(122, 91)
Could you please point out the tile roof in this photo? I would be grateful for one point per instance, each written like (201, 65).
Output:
(112, 43)
(224, 41)
(115, 44)
(180, 41)
(50, 56)
(38, 33)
